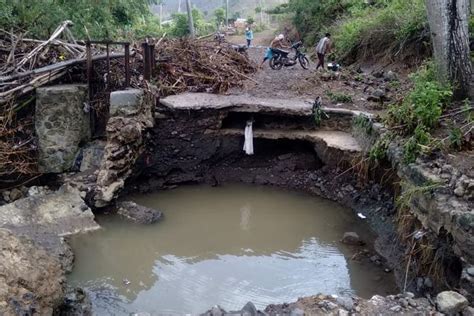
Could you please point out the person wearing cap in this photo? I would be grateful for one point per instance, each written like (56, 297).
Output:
(277, 43)
(324, 47)
(248, 36)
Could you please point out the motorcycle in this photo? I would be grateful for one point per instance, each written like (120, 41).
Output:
(280, 57)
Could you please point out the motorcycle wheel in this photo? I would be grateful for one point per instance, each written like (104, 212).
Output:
(275, 63)
(304, 62)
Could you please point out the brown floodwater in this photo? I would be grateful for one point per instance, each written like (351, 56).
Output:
(227, 246)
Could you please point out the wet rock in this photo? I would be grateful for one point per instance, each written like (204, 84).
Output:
(138, 213)
(351, 238)
(450, 302)
(76, 303)
(31, 281)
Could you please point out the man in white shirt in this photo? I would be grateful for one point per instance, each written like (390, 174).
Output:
(324, 47)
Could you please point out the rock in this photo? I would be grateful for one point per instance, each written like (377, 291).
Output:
(15, 194)
(351, 238)
(215, 311)
(459, 191)
(450, 302)
(92, 155)
(390, 76)
(138, 213)
(6, 196)
(403, 302)
(77, 303)
(249, 310)
(378, 95)
(470, 271)
(342, 312)
(345, 302)
(61, 123)
(61, 213)
(412, 302)
(297, 312)
(34, 287)
(468, 311)
(396, 308)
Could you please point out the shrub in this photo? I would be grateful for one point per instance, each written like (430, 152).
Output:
(423, 105)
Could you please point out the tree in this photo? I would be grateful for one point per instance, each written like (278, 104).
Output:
(190, 18)
(219, 15)
(250, 20)
(448, 21)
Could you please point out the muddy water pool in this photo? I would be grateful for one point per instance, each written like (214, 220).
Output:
(226, 245)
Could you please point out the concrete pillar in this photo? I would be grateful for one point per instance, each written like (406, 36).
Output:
(61, 124)
(126, 102)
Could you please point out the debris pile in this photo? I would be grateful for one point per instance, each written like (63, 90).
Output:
(30, 63)
(200, 66)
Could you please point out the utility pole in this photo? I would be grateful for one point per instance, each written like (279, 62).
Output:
(227, 12)
(190, 19)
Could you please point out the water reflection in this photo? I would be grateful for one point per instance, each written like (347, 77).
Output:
(224, 246)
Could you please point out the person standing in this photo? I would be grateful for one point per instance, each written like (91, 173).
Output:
(324, 47)
(249, 35)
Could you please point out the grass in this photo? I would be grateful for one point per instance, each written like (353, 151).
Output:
(375, 30)
(338, 97)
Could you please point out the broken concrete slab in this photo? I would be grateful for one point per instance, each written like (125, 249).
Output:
(246, 103)
(60, 213)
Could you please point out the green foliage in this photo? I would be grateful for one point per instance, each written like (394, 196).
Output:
(423, 105)
(395, 21)
(283, 8)
(98, 19)
(416, 144)
(180, 28)
(456, 138)
(354, 23)
(250, 20)
(364, 123)
(337, 97)
(318, 113)
(219, 15)
(378, 152)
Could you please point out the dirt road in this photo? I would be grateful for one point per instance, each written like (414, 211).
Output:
(345, 89)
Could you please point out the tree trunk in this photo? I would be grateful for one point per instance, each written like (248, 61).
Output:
(448, 21)
(161, 14)
(190, 19)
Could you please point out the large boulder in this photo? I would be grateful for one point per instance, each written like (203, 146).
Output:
(450, 302)
(62, 122)
(31, 281)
